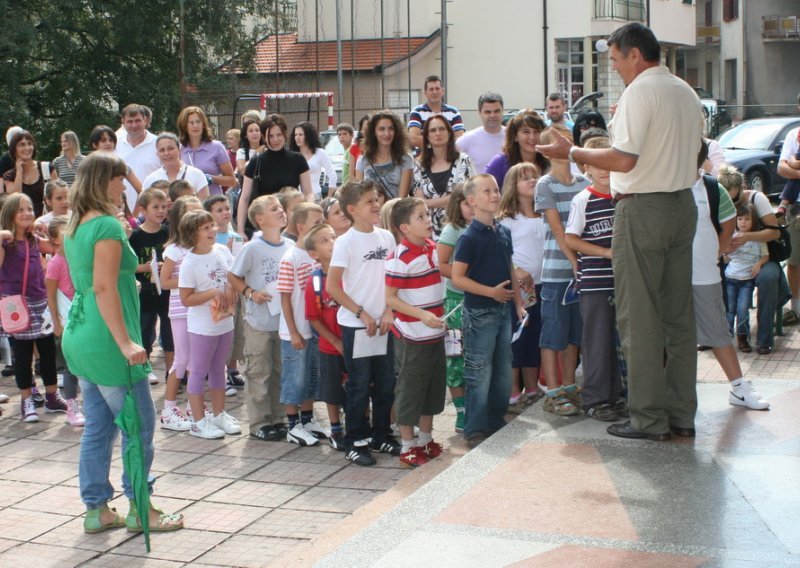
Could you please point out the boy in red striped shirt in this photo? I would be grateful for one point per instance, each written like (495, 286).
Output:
(414, 290)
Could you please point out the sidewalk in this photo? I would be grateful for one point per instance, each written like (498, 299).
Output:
(545, 491)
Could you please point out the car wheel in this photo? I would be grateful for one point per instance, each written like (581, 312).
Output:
(757, 181)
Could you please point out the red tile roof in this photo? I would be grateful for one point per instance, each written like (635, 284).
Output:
(297, 57)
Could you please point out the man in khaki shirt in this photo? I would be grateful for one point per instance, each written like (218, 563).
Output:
(653, 163)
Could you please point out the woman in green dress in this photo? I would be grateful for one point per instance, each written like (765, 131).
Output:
(102, 341)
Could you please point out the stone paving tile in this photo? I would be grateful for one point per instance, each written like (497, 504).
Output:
(71, 535)
(366, 478)
(45, 471)
(293, 524)
(44, 556)
(247, 551)
(179, 546)
(6, 440)
(15, 491)
(18, 524)
(167, 504)
(70, 455)
(221, 517)
(186, 443)
(248, 447)
(5, 544)
(321, 453)
(166, 462)
(332, 499)
(183, 486)
(59, 499)
(120, 561)
(60, 431)
(12, 427)
(294, 472)
(256, 494)
(230, 467)
(33, 448)
(8, 463)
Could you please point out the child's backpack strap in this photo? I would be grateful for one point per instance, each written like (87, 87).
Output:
(712, 190)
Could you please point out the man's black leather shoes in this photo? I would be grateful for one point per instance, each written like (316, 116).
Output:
(626, 430)
(683, 432)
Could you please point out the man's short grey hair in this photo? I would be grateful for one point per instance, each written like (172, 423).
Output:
(489, 97)
(557, 97)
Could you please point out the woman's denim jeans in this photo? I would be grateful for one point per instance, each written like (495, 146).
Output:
(487, 368)
(101, 405)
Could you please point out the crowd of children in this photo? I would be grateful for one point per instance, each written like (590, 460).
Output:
(354, 303)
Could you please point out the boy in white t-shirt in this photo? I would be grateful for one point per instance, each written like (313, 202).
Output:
(356, 281)
(299, 350)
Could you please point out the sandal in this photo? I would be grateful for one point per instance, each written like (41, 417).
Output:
(790, 317)
(166, 522)
(560, 405)
(93, 525)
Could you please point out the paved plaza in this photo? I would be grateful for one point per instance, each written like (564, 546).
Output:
(545, 491)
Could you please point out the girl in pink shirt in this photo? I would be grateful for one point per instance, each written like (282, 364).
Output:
(60, 292)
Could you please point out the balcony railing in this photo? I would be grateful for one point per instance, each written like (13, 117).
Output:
(780, 27)
(628, 10)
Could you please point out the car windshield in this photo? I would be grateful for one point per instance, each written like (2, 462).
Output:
(749, 136)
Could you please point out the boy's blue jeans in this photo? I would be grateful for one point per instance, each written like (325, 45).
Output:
(368, 377)
(487, 368)
(102, 404)
(740, 296)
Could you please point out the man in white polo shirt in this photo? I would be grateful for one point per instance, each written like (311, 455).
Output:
(137, 147)
(653, 164)
(486, 141)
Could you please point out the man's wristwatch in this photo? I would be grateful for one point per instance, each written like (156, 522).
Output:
(359, 312)
(571, 152)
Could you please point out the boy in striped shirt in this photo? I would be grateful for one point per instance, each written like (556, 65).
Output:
(588, 233)
(415, 292)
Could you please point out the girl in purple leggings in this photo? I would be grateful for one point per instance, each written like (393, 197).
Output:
(204, 290)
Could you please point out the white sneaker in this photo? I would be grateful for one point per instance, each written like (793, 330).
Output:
(230, 391)
(173, 419)
(152, 378)
(746, 395)
(227, 423)
(3, 398)
(300, 436)
(206, 429)
(317, 430)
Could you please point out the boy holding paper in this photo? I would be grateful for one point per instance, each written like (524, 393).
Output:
(356, 281)
(255, 275)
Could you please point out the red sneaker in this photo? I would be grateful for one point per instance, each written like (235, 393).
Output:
(413, 458)
(431, 450)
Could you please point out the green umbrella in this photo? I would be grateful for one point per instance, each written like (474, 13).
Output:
(133, 460)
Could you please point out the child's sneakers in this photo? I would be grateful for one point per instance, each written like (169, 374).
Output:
(152, 378)
(388, 446)
(431, 450)
(206, 429)
(336, 441)
(173, 419)
(359, 454)
(461, 419)
(316, 429)
(300, 436)
(744, 394)
(27, 410)
(74, 415)
(414, 457)
(54, 402)
(227, 423)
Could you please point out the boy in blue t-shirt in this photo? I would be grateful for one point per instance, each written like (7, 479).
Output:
(588, 233)
(482, 268)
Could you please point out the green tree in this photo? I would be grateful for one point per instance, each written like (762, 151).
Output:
(71, 64)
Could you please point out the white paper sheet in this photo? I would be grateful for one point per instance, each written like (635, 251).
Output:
(366, 346)
(155, 273)
(274, 305)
